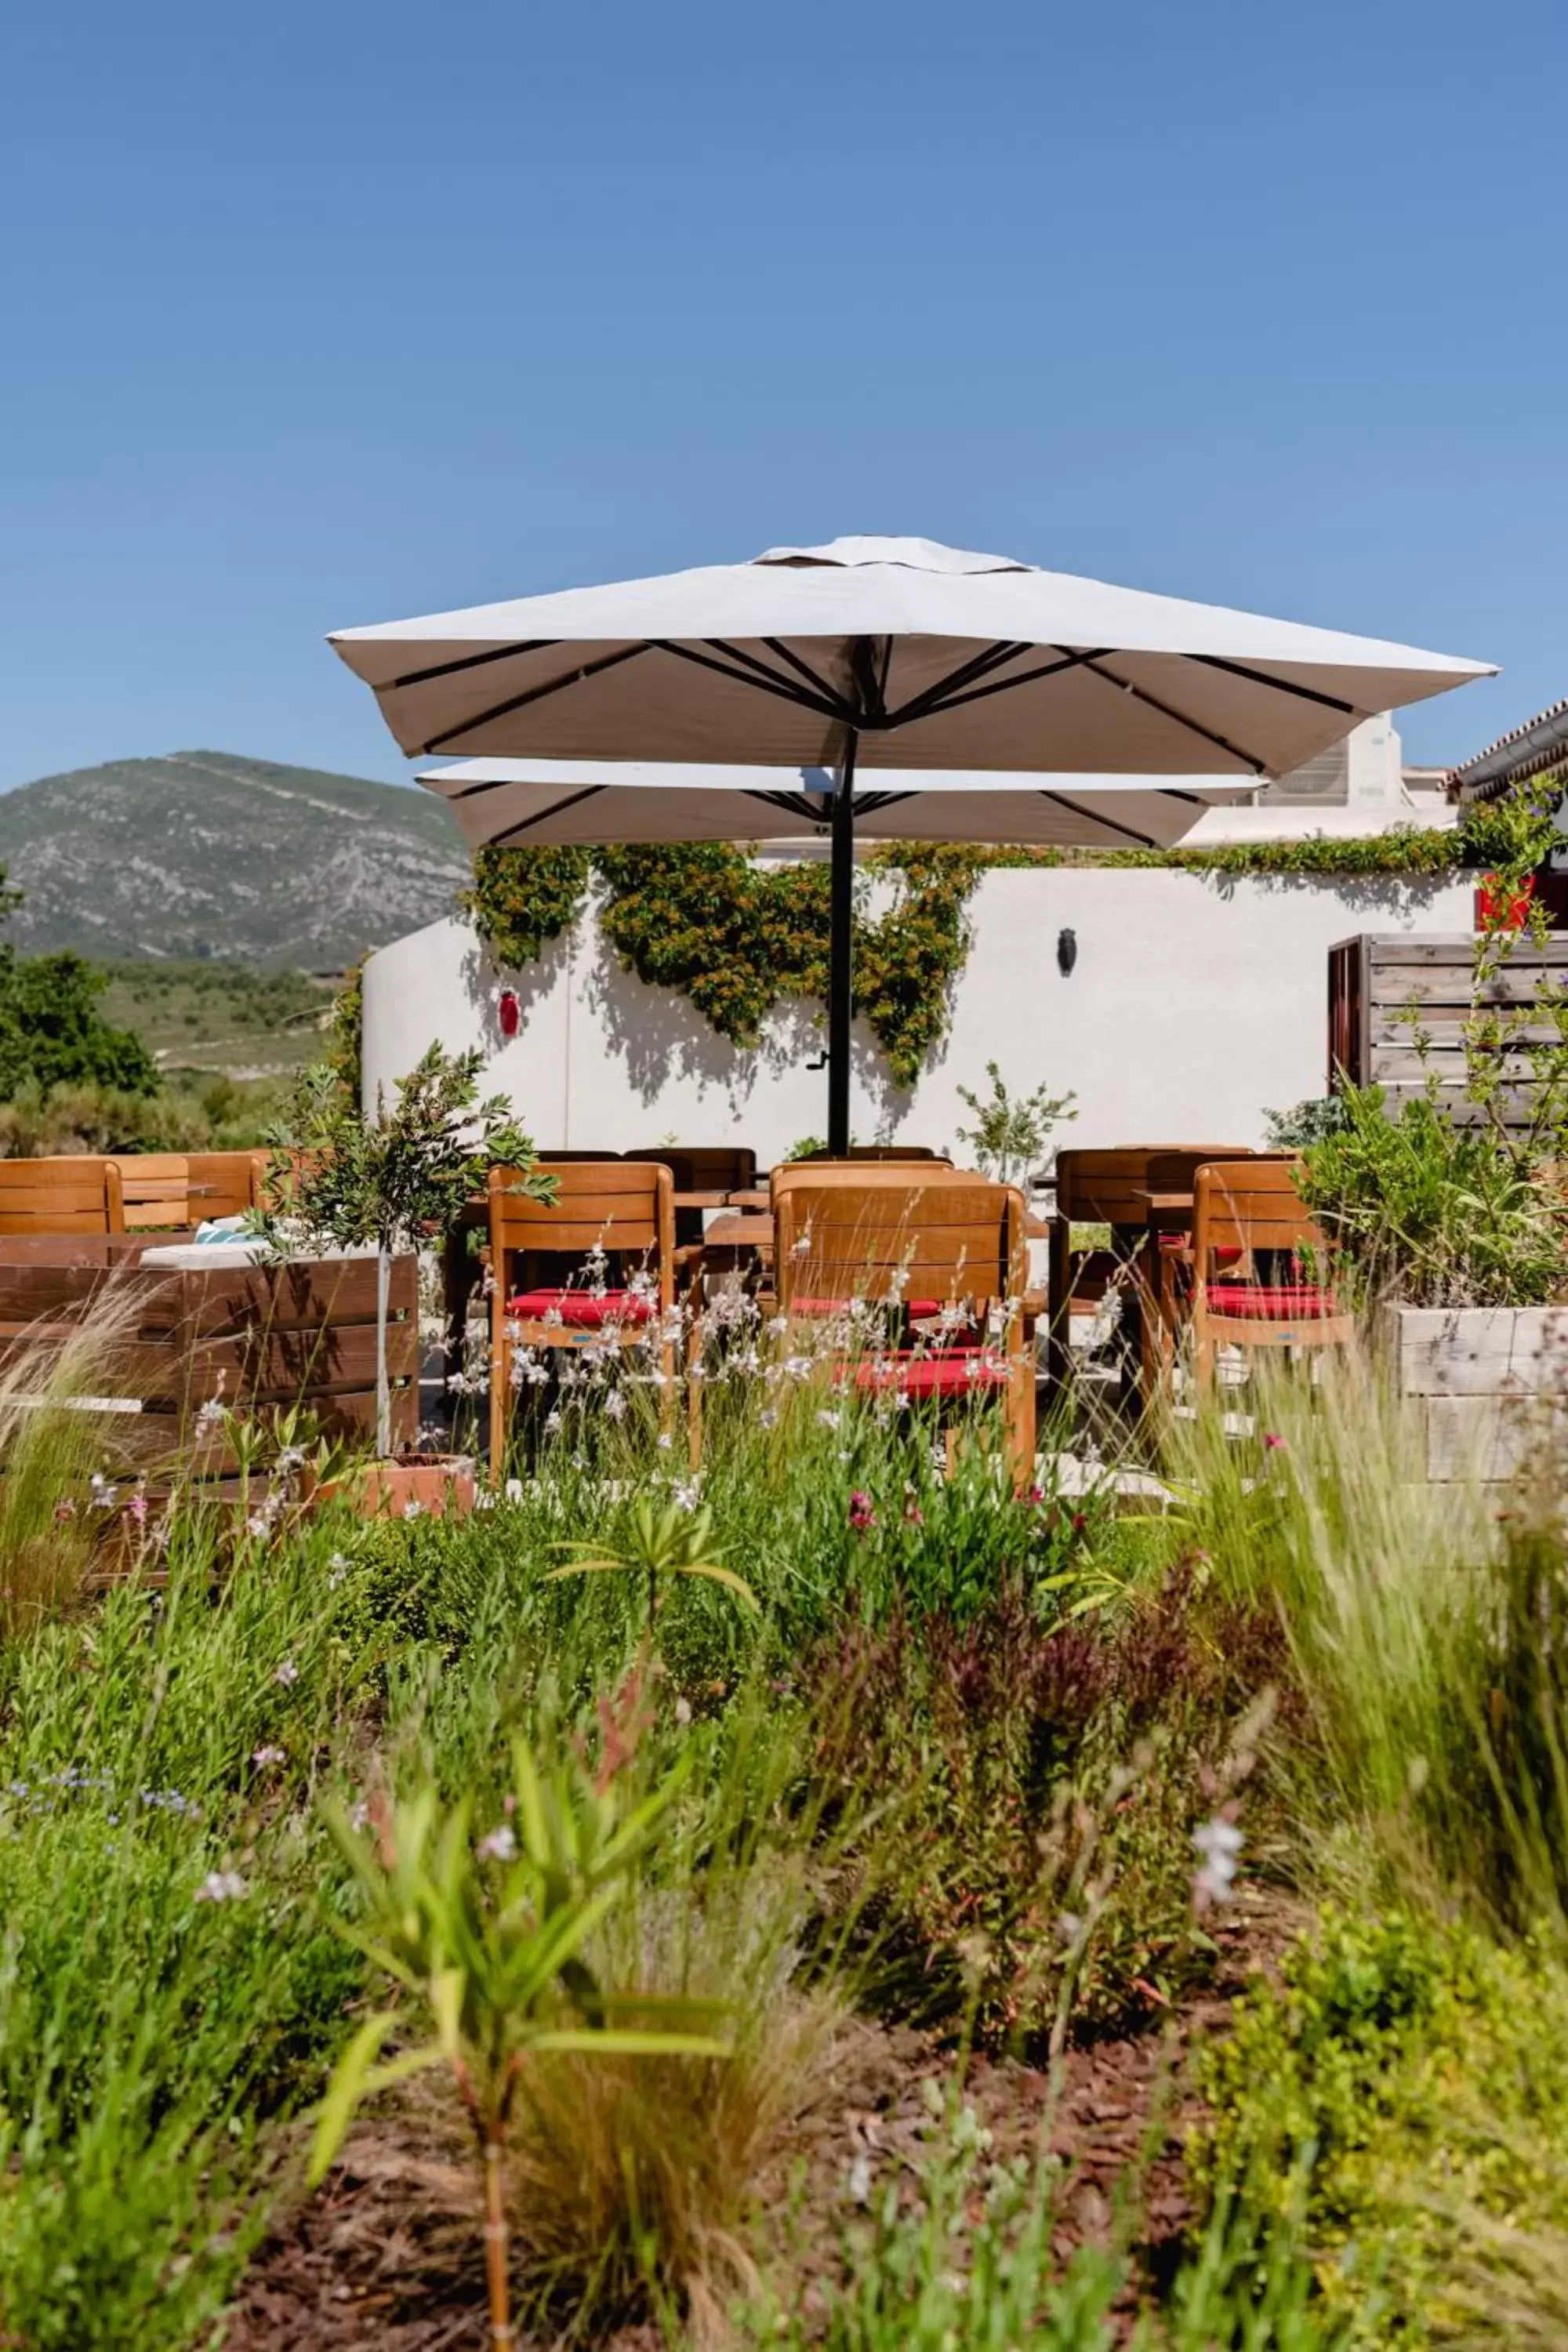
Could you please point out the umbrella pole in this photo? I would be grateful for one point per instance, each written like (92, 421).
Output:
(841, 952)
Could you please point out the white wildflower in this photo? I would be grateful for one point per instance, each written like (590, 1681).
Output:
(1218, 1843)
(287, 1672)
(222, 1886)
(501, 1846)
(265, 1756)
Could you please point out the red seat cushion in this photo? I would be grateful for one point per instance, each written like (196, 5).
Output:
(953, 1372)
(1257, 1302)
(841, 1306)
(579, 1311)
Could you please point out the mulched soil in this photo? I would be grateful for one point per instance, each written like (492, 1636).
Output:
(387, 2254)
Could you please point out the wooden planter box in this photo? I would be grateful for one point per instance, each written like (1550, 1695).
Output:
(255, 1336)
(1488, 1385)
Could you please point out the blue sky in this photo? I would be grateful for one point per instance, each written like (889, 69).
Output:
(313, 315)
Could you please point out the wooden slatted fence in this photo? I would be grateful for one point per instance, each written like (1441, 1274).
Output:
(1397, 1011)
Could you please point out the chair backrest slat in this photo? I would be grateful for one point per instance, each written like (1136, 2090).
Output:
(1106, 1187)
(1250, 1204)
(179, 1187)
(68, 1194)
(943, 1234)
(622, 1205)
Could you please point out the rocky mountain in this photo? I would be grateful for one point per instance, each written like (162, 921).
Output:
(205, 853)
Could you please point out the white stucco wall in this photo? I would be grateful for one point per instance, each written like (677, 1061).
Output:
(1197, 1003)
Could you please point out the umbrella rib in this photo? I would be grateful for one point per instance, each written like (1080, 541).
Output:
(764, 680)
(785, 652)
(1140, 694)
(1091, 816)
(588, 793)
(832, 699)
(872, 803)
(473, 792)
(1024, 678)
(1280, 685)
(470, 661)
(794, 803)
(977, 665)
(534, 694)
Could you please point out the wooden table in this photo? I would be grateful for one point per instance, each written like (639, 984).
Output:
(741, 1243)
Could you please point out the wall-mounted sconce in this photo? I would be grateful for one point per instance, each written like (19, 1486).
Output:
(1066, 951)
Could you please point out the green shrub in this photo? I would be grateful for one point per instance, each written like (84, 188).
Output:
(1410, 2065)
(1431, 1212)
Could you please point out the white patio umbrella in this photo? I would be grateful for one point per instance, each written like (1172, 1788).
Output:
(540, 803)
(882, 652)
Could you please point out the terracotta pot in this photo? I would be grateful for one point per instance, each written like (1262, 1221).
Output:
(441, 1486)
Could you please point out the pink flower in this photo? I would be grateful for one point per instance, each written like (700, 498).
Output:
(1271, 1440)
(136, 1508)
(65, 1511)
(861, 1514)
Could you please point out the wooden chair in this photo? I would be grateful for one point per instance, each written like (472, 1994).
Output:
(70, 1194)
(179, 1187)
(1167, 1258)
(1251, 1207)
(932, 1245)
(1105, 1187)
(624, 1207)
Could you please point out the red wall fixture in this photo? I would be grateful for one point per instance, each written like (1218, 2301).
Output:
(509, 1012)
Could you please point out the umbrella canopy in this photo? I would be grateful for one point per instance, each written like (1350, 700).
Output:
(883, 654)
(928, 657)
(540, 803)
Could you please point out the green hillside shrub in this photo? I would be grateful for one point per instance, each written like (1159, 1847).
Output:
(52, 1032)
